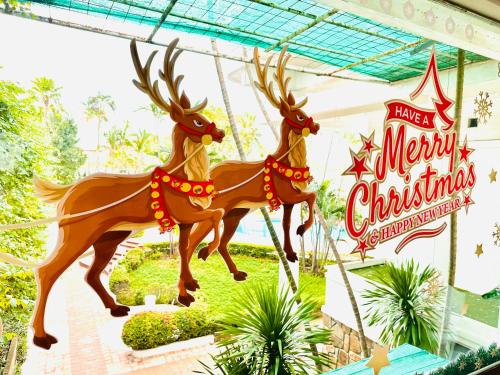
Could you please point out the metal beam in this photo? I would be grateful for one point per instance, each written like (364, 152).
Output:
(432, 19)
(302, 29)
(380, 55)
(78, 26)
(331, 22)
(165, 14)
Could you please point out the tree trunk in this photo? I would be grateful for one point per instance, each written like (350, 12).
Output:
(265, 214)
(443, 347)
(322, 222)
(458, 119)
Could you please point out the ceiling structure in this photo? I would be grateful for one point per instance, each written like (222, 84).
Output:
(332, 41)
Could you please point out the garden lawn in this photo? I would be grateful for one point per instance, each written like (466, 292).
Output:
(217, 285)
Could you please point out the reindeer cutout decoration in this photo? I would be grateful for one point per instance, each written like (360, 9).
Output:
(114, 205)
(280, 179)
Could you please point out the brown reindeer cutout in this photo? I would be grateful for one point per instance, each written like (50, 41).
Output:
(105, 228)
(246, 186)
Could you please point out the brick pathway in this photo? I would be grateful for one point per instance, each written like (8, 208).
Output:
(89, 338)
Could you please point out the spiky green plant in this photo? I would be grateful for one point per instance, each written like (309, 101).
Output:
(266, 336)
(407, 303)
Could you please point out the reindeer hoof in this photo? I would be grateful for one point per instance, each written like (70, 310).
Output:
(185, 300)
(203, 253)
(292, 257)
(240, 275)
(192, 285)
(119, 311)
(301, 229)
(51, 338)
(44, 342)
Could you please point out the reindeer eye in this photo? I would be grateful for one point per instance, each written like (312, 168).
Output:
(198, 123)
(300, 117)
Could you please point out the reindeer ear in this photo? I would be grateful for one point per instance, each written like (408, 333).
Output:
(290, 99)
(176, 112)
(185, 103)
(284, 108)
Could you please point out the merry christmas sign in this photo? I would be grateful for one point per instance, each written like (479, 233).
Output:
(430, 175)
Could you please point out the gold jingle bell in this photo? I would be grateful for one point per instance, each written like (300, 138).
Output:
(206, 139)
(306, 132)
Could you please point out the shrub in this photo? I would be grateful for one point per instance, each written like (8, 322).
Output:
(152, 329)
(256, 251)
(133, 259)
(149, 330)
(119, 279)
(265, 335)
(406, 302)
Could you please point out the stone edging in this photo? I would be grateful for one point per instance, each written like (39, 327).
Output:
(173, 347)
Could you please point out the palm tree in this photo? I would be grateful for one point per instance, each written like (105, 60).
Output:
(158, 114)
(266, 334)
(141, 143)
(97, 107)
(322, 222)
(406, 302)
(48, 95)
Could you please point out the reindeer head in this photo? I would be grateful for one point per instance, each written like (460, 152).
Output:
(195, 126)
(296, 119)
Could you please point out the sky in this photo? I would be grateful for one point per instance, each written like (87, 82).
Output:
(85, 63)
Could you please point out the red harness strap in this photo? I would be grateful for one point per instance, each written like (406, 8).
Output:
(292, 173)
(187, 187)
(307, 124)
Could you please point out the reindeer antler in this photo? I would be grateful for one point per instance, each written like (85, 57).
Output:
(144, 83)
(267, 88)
(166, 75)
(262, 85)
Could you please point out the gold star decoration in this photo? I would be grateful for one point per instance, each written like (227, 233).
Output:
(478, 364)
(493, 176)
(479, 250)
(461, 365)
(379, 359)
(369, 145)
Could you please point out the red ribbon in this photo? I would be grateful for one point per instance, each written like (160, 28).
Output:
(208, 130)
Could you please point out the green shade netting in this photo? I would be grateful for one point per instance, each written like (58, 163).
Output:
(341, 39)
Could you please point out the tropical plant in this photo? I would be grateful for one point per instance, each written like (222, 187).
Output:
(267, 333)
(333, 208)
(247, 134)
(406, 302)
(23, 152)
(48, 96)
(97, 107)
(68, 157)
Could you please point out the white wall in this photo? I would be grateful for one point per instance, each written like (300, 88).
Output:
(346, 109)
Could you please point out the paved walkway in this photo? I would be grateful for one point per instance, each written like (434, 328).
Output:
(89, 338)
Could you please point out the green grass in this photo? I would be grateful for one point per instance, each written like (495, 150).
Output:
(485, 311)
(217, 285)
(369, 272)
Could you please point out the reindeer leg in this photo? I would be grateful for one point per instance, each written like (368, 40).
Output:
(231, 221)
(186, 279)
(47, 274)
(199, 232)
(310, 198)
(287, 216)
(104, 249)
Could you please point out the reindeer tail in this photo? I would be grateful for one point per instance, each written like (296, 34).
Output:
(48, 191)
